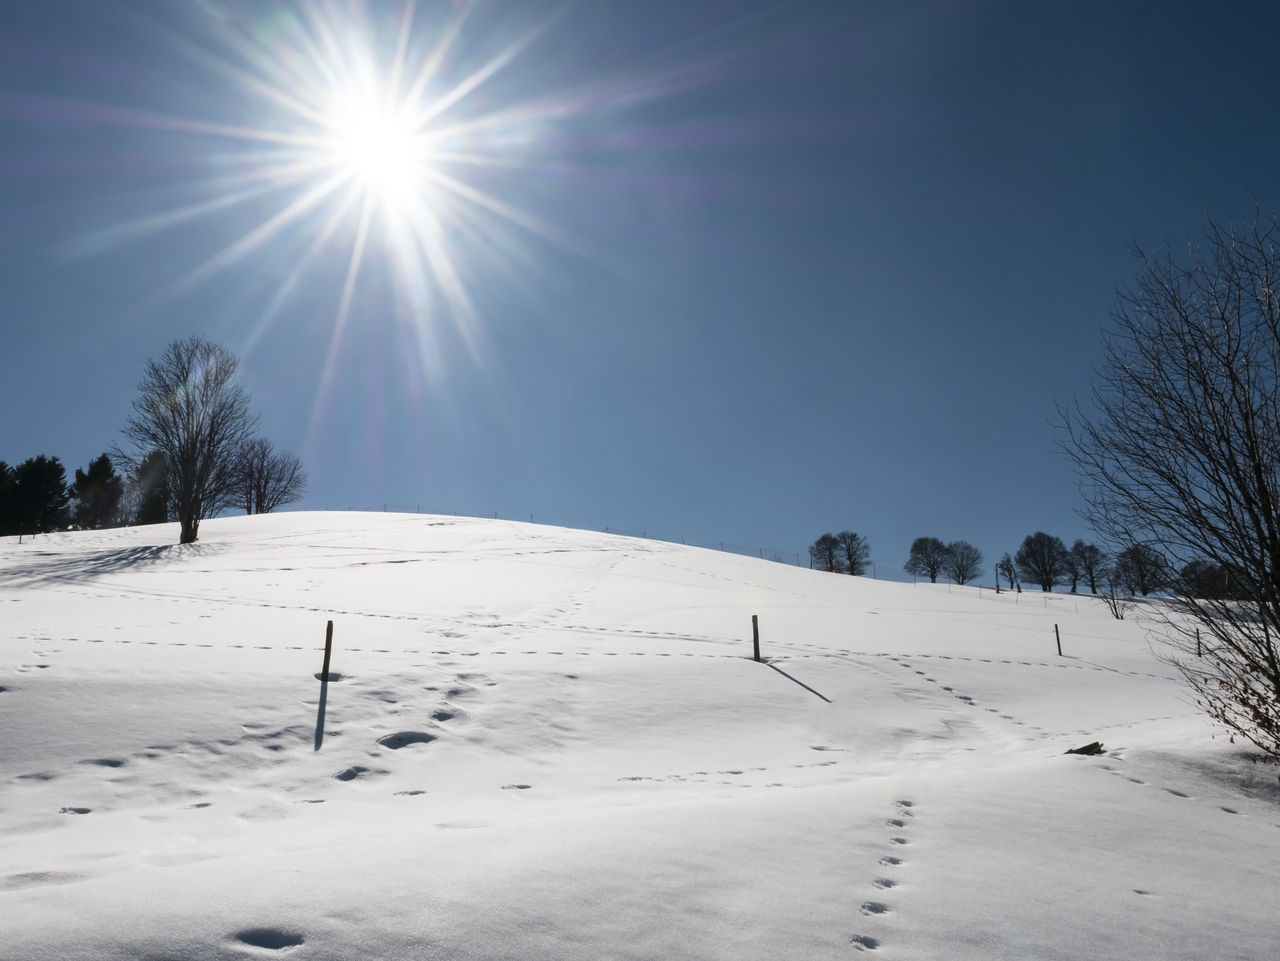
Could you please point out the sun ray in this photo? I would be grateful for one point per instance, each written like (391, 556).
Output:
(325, 383)
(509, 212)
(274, 93)
(255, 237)
(482, 74)
(101, 240)
(417, 91)
(286, 287)
(402, 48)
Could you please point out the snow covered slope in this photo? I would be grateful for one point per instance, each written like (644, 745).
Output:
(551, 744)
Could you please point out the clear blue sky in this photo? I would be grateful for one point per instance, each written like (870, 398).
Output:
(721, 270)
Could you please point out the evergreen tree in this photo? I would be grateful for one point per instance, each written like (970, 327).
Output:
(40, 495)
(98, 493)
(150, 490)
(8, 523)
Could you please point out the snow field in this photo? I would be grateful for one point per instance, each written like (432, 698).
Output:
(554, 744)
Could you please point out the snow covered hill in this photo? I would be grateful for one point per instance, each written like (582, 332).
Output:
(552, 744)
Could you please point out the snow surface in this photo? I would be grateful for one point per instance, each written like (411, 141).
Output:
(553, 744)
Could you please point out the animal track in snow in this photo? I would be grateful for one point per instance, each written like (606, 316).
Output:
(696, 777)
(27, 879)
(272, 939)
(353, 772)
(875, 909)
(404, 738)
(105, 761)
(1176, 793)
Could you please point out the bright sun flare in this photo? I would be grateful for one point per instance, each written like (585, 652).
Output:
(380, 147)
(358, 133)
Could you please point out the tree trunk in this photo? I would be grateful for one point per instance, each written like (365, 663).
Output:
(190, 529)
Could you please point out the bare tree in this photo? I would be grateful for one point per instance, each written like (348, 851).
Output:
(963, 563)
(928, 555)
(1181, 451)
(856, 551)
(1072, 570)
(191, 410)
(1092, 561)
(1113, 595)
(1142, 569)
(267, 478)
(1005, 566)
(824, 554)
(1199, 578)
(1041, 560)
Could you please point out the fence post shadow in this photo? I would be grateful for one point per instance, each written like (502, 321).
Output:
(796, 681)
(324, 698)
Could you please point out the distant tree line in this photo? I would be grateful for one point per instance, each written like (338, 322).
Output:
(1042, 560)
(1138, 569)
(844, 553)
(193, 454)
(929, 557)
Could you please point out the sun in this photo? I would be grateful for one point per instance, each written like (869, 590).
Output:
(380, 146)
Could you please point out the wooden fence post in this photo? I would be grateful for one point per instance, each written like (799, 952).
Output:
(1059, 637)
(755, 633)
(328, 649)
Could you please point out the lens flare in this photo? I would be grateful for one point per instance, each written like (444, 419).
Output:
(379, 146)
(332, 136)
